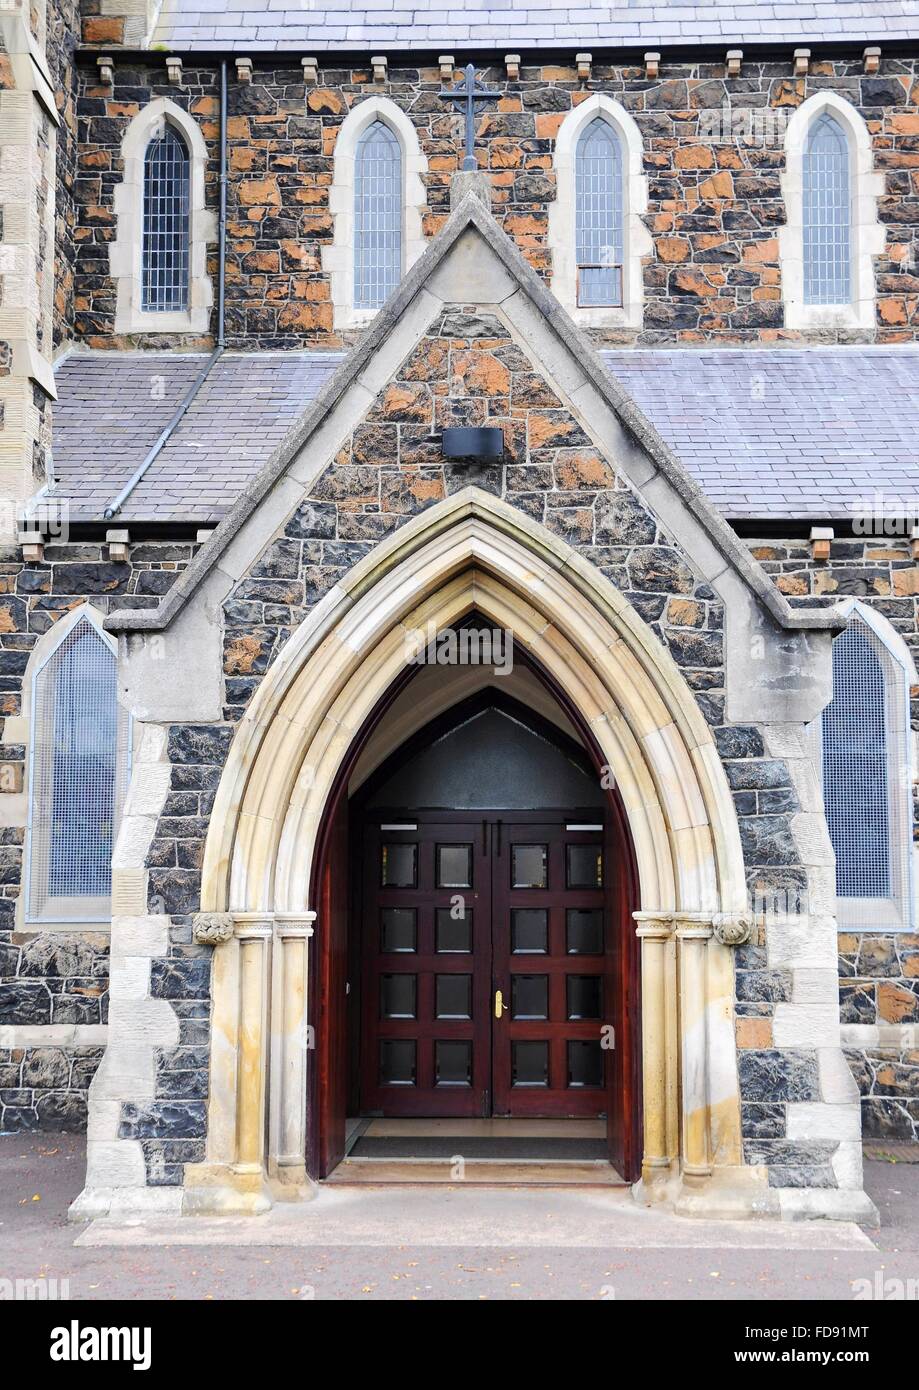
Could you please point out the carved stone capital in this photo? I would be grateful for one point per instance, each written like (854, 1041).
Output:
(654, 926)
(291, 926)
(732, 928)
(212, 928)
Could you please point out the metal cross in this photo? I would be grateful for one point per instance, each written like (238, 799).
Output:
(466, 94)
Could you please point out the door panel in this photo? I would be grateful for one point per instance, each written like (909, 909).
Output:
(549, 930)
(455, 910)
(427, 970)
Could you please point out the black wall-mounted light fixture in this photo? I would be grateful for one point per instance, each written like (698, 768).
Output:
(473, 443)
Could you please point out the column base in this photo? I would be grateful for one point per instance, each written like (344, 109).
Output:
(290, 1182)
(726, 1194)
(222, 1190)
(743, 1193)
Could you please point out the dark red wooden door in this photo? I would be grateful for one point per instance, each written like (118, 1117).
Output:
(426, 1047)
(549, 929)
(456, 910)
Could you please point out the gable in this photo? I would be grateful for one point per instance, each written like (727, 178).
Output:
(468, 369)
(471, 336)
(473, 263)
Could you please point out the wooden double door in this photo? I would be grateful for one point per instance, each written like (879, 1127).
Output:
(489, 966)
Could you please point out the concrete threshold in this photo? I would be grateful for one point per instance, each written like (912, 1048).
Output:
(462, 1215)
(496, 1172)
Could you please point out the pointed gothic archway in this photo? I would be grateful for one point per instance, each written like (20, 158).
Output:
(472, 551)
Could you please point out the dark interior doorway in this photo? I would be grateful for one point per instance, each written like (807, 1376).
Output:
(476, 958)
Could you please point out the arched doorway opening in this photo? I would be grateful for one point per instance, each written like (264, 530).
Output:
(475, 953)
(335, 677)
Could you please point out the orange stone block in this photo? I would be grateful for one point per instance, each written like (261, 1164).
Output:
(753, 1032)
(694, 157)
(767, 250)
(103, 29)
(892, 311)
(895, 1004)
(693, 282)
(672, 248)
(795, 584)
(259, 192)
(906, 582)
(547, 124)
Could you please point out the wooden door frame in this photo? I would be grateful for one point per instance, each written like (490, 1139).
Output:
(628, 1047)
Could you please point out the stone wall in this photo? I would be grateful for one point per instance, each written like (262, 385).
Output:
(714, 204)
(54, 983)
(44, 1088)
(62, 36)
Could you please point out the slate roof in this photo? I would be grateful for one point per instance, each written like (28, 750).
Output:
(767, 433)
(501, 25)
(803, 432)
(112, 406)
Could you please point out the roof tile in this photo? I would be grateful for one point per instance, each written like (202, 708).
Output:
(496, 26)
(766, 432)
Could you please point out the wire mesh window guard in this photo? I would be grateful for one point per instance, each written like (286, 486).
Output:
(866, 783)
(599, 216)
(827, 214)
(165, 251)
(377, 216)
(77, 777)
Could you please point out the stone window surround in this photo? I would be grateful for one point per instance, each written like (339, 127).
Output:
(338, 257)
(868, 234)
(637, 243)
(127, 248)
(847, 917)
(19, 729)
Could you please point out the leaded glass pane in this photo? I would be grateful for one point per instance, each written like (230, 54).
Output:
(855, 768)
(599, 215)
(377, 216)
(827, 215)
(165, 223)
(76, 782)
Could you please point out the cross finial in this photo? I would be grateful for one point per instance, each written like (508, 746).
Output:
(466, 93)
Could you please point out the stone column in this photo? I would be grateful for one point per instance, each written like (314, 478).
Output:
(655, 931)
(693, 931)
(253, 931)
(289, 1047)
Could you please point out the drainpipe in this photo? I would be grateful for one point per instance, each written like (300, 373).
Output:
(115, 506)
(222, 219)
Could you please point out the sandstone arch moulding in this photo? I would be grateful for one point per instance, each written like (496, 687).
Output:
(472, 550)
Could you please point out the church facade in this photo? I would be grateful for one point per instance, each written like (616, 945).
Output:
(458, 599)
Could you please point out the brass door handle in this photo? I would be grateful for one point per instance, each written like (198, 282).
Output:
(500, 1006)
